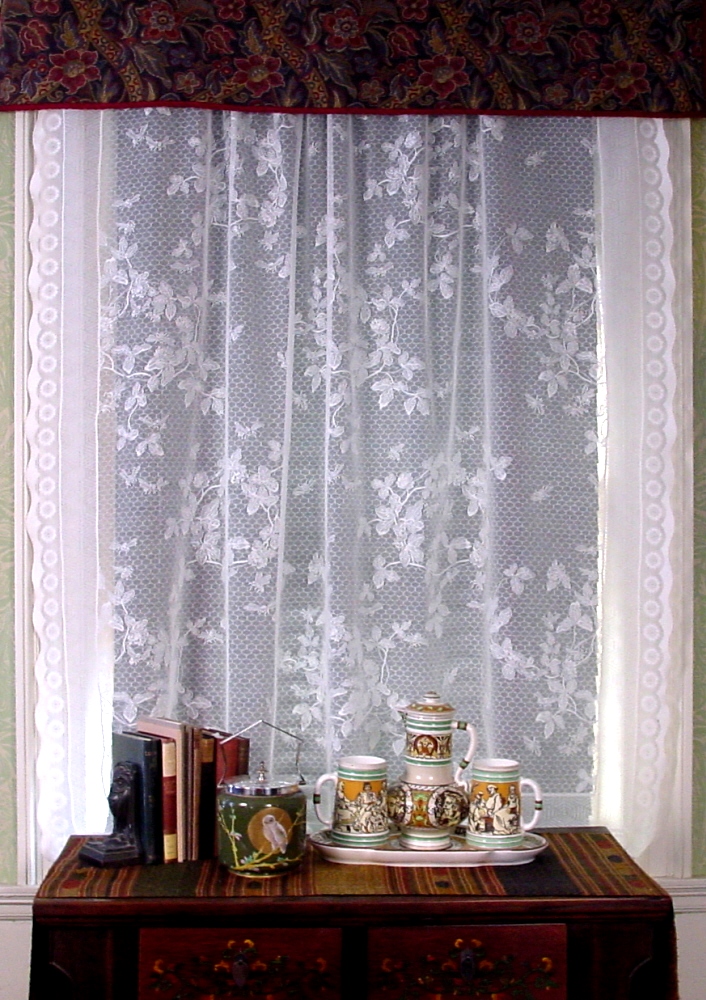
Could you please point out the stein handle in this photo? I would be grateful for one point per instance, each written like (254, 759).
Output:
(537, 803)
(316, 798)
(460, 777)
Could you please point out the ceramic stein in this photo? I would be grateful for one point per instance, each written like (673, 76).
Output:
(261, 824)
(360, 806)
(430, 801)
(495, 804)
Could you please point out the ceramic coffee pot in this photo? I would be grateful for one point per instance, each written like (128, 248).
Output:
(431, 799)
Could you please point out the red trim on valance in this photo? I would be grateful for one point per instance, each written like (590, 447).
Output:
(629, 57)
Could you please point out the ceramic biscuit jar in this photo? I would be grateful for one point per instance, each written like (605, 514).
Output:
(261, 825)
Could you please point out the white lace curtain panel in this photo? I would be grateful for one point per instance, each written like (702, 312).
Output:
(328, 411)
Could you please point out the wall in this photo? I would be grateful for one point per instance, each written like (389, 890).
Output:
(691, 934)
(15, 933)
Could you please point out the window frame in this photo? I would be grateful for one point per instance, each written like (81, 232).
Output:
(29, 868)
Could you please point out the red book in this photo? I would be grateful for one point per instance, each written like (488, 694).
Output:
(243, 754)
(177, 732)
(169, 799)
(195, 737)
(232, 754)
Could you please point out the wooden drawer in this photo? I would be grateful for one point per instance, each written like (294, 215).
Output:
(274, 963)
(489, 962)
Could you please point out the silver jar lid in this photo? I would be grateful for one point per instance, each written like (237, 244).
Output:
(244, 784)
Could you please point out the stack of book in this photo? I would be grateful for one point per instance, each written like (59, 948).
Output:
(180, 767)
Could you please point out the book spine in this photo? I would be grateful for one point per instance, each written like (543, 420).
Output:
(195, 796)
(152, 813)
(207, 804)
(226, 758)
(169, 800)
(243, 755)
(146, 753)
(169, 729)
(185, 804)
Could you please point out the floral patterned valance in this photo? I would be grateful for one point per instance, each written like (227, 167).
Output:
(637, 57)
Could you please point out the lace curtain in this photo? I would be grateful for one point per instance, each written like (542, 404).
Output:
(318, 415)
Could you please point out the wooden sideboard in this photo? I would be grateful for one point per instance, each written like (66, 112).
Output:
(580, 922)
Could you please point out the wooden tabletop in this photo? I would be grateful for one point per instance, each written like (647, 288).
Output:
(582, 868)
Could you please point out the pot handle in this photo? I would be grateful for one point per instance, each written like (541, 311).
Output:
(459, 776)
(316, 798)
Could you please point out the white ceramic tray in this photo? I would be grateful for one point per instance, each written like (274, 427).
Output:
(459, 855)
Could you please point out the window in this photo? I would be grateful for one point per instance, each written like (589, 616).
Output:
(296, 371)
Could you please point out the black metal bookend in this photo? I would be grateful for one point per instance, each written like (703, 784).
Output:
(122, 846)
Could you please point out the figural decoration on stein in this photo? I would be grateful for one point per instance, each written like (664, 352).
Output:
(359, 817)
(495, 804)
(431, 800)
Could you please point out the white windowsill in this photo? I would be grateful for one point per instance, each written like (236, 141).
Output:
(16, 901)
(688, 894)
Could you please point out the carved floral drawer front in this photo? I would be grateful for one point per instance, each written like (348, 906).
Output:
(510, 962)
(272, 963)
